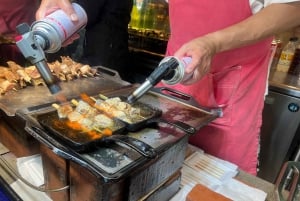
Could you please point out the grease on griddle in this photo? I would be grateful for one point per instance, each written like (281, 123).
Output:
(108, 158)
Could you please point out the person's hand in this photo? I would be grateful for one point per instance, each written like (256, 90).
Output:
(71, 39)
(49, 6)
(201, 50)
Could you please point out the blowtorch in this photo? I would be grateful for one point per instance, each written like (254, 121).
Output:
(48, 35)
(170, 71)
(31, 48)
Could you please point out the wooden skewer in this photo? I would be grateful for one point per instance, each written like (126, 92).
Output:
(103, 97)
(91, 102)
(94, 99)
(56, 106)
(211, 172)
(75, 102)
(207, 161)
(211, 167)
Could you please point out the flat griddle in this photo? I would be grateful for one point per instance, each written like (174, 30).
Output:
(33, 97)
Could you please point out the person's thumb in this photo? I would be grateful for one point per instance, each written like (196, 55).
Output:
(67, 7)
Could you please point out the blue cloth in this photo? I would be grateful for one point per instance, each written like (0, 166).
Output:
(3, 195)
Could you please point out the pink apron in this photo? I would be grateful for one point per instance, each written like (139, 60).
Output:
(236, 82)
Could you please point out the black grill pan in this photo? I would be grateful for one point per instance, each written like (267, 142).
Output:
(78, 140)
(81, 142)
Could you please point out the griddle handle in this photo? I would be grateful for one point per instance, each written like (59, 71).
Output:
(40, 135)
(138, 145)
(178, 124)
(185, 98)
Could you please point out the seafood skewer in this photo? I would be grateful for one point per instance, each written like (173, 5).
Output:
(120, 109)
(87, 117)
(63, 110)
(20, 76)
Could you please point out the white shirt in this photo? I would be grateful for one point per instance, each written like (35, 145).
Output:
(257, 5)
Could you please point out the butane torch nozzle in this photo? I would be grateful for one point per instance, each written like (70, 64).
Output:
(47, 76)
(131, 99)
(54, 88)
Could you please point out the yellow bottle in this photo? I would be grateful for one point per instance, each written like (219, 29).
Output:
(287, 55)
(137, 14)
(134, 17)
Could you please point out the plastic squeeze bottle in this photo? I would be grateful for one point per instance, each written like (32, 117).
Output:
(287, 55)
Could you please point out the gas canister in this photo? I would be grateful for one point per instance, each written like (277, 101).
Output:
(57, 27)
(177, 75)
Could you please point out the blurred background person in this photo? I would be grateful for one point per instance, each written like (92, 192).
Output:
(104, 41)
(12, 13)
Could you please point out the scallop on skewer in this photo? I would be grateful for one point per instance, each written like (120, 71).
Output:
(91, 117)
(63, 110)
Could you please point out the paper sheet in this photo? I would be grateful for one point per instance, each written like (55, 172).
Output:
(216, 174)
(29, 194)
(31, 169)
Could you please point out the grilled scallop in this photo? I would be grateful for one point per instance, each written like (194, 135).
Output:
(83, 107)
(63, 110)
(103, 121)
(74, 116)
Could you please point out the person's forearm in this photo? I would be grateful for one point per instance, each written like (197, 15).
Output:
(271, 20)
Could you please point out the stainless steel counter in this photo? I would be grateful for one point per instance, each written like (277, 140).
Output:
(284, 83)
(280, 127)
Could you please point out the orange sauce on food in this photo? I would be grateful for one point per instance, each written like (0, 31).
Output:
(92, 133)
(74, 125)
(107, 131)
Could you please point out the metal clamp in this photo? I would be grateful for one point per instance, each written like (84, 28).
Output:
(287, 184)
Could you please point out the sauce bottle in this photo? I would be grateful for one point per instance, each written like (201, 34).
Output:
(295, 64)
(135, 15)
(276, 47)
(287, 55)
